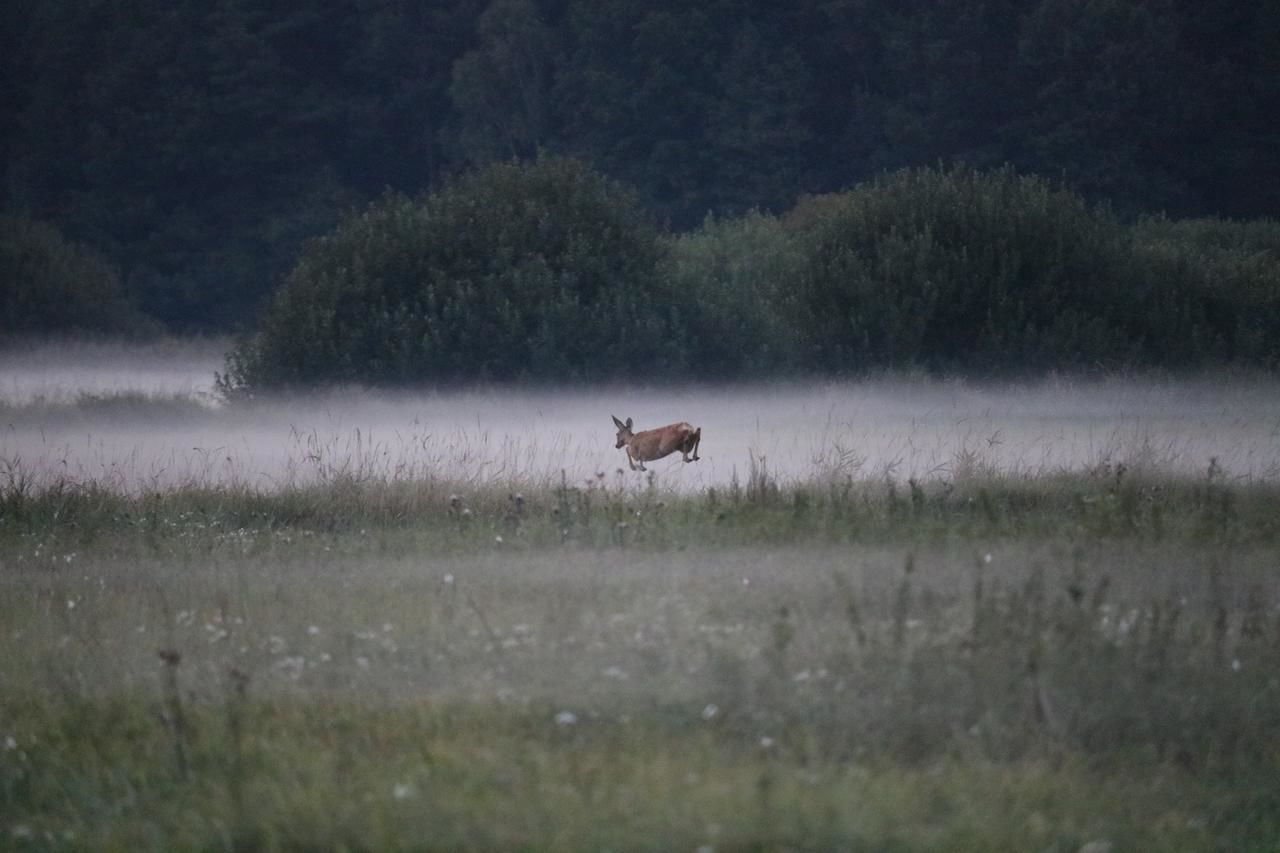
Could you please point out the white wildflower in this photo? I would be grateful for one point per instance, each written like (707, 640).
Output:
(292, 667)
(402, 791)
(710, 712)
(566, 718)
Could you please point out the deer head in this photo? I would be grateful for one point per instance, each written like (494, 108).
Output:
(624, 431)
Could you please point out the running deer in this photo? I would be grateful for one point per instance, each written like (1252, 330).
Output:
(654, 444)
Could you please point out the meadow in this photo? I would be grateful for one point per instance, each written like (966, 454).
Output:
(890, 614)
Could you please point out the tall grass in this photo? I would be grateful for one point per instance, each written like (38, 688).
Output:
(985, 687)
(1108, 501)
(371, 655)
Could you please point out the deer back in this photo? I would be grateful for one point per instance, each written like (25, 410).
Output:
(659, 442)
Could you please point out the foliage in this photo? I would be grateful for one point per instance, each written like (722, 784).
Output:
(1222, 281)
(197, 146)
(736, 277)
(541, 271)
(548, 271)
(961, 269)
(499, 90)
(48, 284)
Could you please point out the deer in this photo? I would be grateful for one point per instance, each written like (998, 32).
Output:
(654, 444)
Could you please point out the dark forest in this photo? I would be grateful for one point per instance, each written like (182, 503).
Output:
(192, 149)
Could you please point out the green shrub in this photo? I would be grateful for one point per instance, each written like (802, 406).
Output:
(48, 284)
(537, 271)
(736, 277)
(1225, 280)
(549, 272)
(960, 269)
(965, 269)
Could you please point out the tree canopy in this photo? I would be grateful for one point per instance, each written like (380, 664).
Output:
(197, 146)
(548, 271)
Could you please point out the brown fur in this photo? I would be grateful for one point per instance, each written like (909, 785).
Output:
(654, 444)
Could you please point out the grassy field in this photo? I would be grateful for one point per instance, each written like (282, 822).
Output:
(982, 663)
(894, 615)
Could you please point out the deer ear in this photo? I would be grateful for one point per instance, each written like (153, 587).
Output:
(628, 423)
(618, 422)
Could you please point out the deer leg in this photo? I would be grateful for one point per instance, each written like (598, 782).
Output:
(697, 440)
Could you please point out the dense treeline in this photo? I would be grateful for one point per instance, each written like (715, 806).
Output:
(48, 284)
(196, 146)
(549, 271)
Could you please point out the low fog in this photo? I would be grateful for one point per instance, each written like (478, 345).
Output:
(138, 418)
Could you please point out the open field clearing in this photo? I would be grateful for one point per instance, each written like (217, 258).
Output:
(60, 372)
(876, 616)
(986, 684)
(138, 419)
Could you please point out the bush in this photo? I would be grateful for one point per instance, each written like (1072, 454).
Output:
(963, 269)
(548, 271)
(539, 271)
(736, 276)
(48, 284)
(966, 270)
(1225, 280)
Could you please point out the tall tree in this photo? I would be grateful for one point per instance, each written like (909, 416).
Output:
(500, 88)
(1114, 105)
(183, 139)
(399, 106)
(758, 126)
(924, 81)
(1234, 47)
